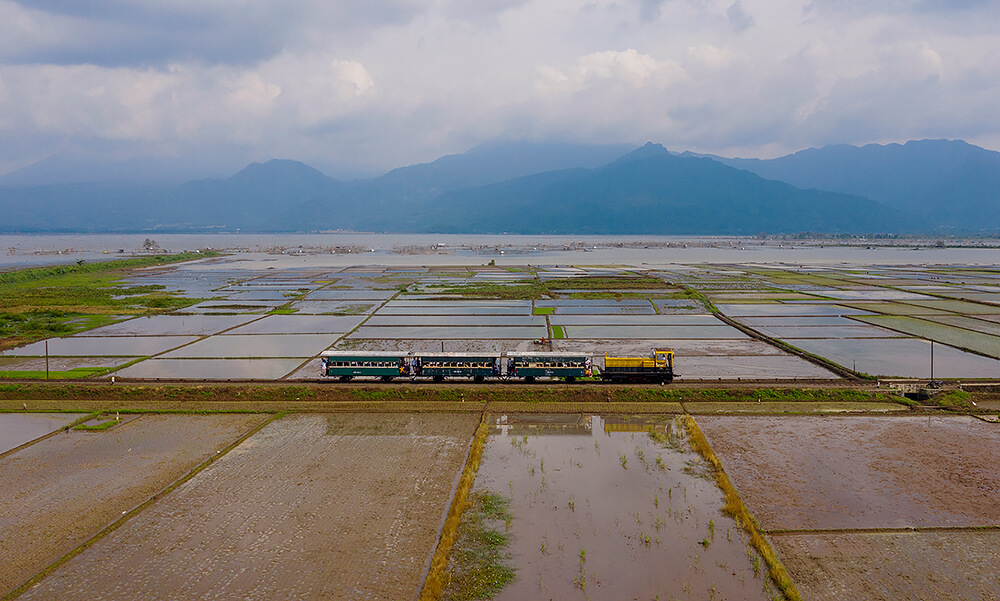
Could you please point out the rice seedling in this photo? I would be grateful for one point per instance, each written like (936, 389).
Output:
(734, 507)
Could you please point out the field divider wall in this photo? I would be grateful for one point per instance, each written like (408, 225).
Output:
(735, 507)
(434, 583)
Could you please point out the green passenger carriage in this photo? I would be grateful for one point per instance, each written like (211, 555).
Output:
(457, 365)
(346, 365)
(568, 366)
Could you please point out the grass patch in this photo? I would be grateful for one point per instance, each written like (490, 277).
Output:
(558, 332)
(605, 283)
(435, 583)
(543, 310)
(514, 290)
(734, 507)
(75, 373)
(954, 399)
(477, 568)
(607, 295)
(40, 273)
(697, 295)
(56, 301)
(105, 425)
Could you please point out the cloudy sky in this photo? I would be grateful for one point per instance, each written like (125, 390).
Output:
(370, 85)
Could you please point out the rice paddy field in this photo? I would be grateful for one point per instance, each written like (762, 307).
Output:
(495, 505)
(872, 507)
(232, 318)
(816, 485)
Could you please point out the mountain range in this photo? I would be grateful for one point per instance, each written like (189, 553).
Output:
(928, 186)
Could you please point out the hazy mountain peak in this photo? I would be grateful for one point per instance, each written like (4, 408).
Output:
(950, 183)
(649, 150)
(278, 168)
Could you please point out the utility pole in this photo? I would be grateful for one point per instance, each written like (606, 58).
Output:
(932, 360)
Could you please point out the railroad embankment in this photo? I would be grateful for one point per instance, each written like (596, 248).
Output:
(703, 398)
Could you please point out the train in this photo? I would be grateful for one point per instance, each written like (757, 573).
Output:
(527, 366)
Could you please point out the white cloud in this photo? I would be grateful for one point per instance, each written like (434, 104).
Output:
(932, 60)
(626, 66)
(709, 56)
(382, 84)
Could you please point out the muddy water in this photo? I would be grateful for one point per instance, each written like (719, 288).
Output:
(718, 332)
(311, 507)
(255, 345)
(103, 346)
(59, 492)
(172, 325)
(214, 369)
(908, 357)
(603, 511)
(19, 428)
(446, 333)
(861, 472)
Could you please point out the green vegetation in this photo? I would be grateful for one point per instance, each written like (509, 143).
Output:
(570, 398)
(605, 283)
(609, 295)
(697, 295)
(477, 569)
(529, 289)
(600, 287)
(954, 399)
(435, 582)
(977, 342)
(75, 373)
(109, 423)
(57, 301)
(735, 508)
(558, 332)
(543, 310)
(41, 273)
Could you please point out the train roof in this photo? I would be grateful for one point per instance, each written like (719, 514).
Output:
(458, 355)
(533, 354)
(395, 355)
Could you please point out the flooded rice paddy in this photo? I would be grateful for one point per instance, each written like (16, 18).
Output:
(320, 506)
(310, 507)
(111, 346)
(613, 508)
(865, 508)
(861, 472)
(19, 428)
(172, 325)
(60, 491)
(450, 333)
(300, 324)
(254, 345)
(886, 566)
(871, 318)
(908, 357)
(214, 369)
